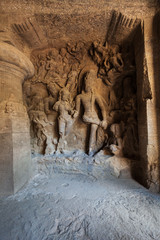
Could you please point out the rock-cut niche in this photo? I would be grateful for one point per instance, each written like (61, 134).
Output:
(83, 98)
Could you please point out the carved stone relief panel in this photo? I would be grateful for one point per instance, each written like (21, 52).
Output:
(83, 97)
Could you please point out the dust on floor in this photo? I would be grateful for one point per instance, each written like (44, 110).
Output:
(80, 207)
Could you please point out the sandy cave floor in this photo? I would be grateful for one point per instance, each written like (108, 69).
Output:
(80, 207)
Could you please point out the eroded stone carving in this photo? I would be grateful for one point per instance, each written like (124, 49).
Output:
(89, 99)
(80, 96)
(12, 106)
(72, 82)
(109, 60)
(66, 115)
(117, 147)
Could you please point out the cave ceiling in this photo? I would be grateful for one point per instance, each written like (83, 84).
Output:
(38, 24)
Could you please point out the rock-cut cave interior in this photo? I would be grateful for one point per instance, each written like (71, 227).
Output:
(79, 119)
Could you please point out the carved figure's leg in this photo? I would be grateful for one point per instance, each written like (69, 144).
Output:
(92, 139)
(50, 147)
(40, 136)
(68, 126)
(46, 105)
(62, 126)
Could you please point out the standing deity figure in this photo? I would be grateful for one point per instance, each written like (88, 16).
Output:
(90, 99)
(66, 115)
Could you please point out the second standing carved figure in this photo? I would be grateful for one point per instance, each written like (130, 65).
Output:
(66, 114)
(89, 98)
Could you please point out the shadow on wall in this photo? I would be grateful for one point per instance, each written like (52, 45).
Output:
(156, 69)
(140, 170)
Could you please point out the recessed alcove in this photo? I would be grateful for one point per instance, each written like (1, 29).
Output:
(92, 89)
(79, 104)
(82, 100)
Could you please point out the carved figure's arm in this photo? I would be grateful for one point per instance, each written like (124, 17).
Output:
(78, 104)
(69, 109)
(119, 57)
(48, 66)
(56, 106)
(46, 105)
(101, 105)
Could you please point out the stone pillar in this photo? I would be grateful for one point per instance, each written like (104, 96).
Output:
(153, 111)
(15, 158)
(148, 88)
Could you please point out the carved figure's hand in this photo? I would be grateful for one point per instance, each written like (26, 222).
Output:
(116, 150)
(75, 114)
(113, 148)
(47, 112)
(103, 124)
